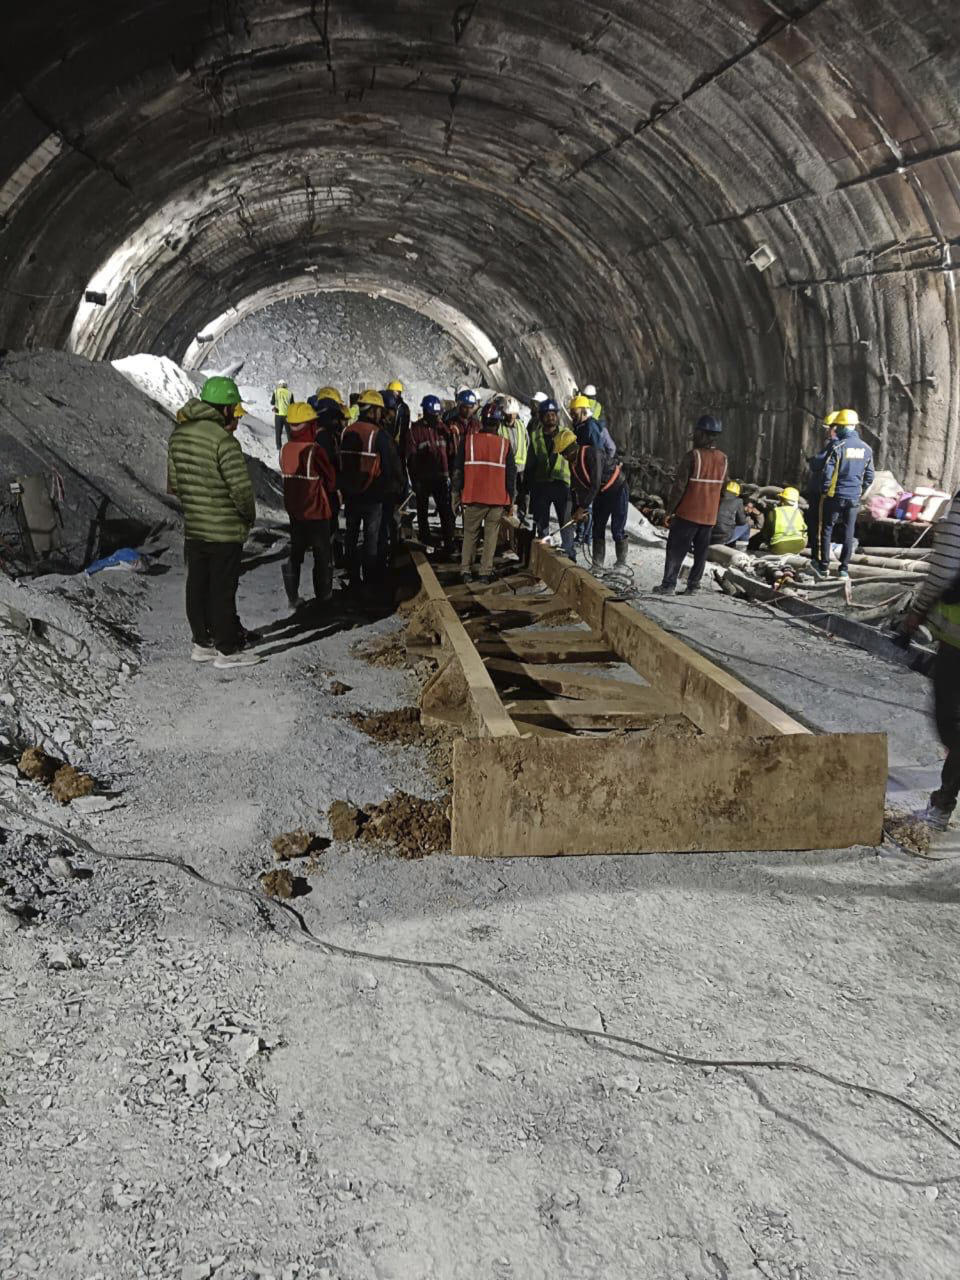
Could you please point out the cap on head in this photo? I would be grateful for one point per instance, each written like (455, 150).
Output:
(709, 424)
(329, 393)
(370, 398)
(733, 486)
(220, 391)
(300, 412)
(431, 404)
(466, 396)
(396, 385)
(563, 440)
(790, 496)
(847, 418)
(579, 402)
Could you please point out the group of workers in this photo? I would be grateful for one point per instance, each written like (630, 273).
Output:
(705, 506)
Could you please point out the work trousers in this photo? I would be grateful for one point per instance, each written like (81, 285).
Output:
(738, 533)
(612, 505)
(311, 535)
(439, 490)
(213, 575)
(837, 517)
(365, 514)
(946, 697)
(279, 426)
(685, 536)
(475, 516)
(556, 494)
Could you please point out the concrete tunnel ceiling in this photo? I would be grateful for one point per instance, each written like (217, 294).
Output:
(584, 183)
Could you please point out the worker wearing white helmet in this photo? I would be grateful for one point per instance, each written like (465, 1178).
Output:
(514, 429)
(596, 408)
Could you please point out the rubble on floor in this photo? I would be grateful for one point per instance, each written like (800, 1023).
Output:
(412, 826)
(297, 844)
(384, 651)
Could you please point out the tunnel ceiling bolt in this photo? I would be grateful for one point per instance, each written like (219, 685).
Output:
(762, 257)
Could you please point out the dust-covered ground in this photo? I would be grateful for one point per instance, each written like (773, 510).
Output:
(191, 1087)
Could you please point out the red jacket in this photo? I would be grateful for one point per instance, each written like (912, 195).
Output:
(429, 451)
(308, 477)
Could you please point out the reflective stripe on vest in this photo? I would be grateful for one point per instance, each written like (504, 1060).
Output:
(485, 470)
(701, 499)
(788, 526)
(282, 398)
(582, 475)
(364, 462)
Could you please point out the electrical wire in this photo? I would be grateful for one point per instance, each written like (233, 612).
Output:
(586, 1035)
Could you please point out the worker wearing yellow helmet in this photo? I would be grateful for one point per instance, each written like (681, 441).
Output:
(328, 393)
(843, 472)
(784, 528)
(733, 524)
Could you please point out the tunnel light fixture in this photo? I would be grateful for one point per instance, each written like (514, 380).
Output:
(762, 257)
(95, 298)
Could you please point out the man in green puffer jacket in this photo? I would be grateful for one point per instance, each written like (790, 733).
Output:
(207, 471)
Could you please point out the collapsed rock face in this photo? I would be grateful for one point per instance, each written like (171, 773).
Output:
(584, 186)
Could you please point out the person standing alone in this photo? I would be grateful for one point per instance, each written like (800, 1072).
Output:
(693, 505)
(207, 471)
(846, 473)
(280, 402)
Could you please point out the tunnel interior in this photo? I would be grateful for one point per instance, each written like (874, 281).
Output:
(731, 206)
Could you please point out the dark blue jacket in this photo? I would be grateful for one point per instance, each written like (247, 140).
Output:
(590, 432)
(847, 469)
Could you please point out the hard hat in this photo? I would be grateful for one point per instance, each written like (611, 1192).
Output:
(711, 425)
(733, 486)
(790, 496)
(431, 404)
(281, 383)
(590, 390)
(466, 396)
(540, 397)
(579, 402)
(390, 399)
(510, 406)
(370, 398)
(329, 393)
(491, 413)
(328, 409)
(831, 419)
(847, 418)
(396, 386)
(563, 440)
(220, 391)
(300, 412)
(549, 406)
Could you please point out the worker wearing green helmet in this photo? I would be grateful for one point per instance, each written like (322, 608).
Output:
(207, 471)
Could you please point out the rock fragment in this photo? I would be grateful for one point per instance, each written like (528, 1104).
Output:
(345, 820)
(69, 784)
(278, 884)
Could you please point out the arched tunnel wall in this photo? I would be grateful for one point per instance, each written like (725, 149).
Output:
(583, 182)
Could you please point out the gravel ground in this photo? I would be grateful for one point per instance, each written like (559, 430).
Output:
(191, 1089)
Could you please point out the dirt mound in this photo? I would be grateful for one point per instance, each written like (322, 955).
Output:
(908, 832)
(297, 844)
(411, 826)
(65, 782)
(384, 652)
(402, 725)
(70, 784)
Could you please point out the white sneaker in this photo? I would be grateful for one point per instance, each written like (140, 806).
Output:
(242, 659)
(203, 653)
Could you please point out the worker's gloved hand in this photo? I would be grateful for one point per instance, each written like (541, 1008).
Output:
(579, 515)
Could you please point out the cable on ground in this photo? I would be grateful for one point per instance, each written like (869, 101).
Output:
(584, 1034)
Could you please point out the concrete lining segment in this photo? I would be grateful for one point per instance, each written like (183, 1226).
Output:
(587, 180)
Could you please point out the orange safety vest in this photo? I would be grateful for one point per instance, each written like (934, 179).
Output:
(306, 475)
(701, 500)
(485, 469)
(581, 472)
(359, 457)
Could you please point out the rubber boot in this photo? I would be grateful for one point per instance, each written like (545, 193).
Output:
(622, 552)
(599, 554)
(291, 582)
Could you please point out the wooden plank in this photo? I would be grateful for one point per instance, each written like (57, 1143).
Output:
(714, 700)
(490, 718)
(572, 684)
(542, 796)
(591, 713)
(548, 646)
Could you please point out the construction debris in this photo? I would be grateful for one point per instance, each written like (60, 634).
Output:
(414, 827)
(297, 844)
(278, 883)
(38, 766)
(69, 784)
(345, 820)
